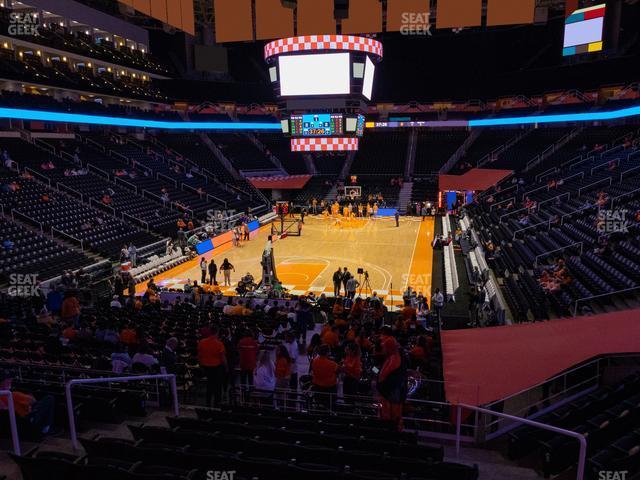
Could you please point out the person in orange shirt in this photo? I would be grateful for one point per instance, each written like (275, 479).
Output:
(352, 366)
(419, 353)
(70, 310)
(351, 334)
(338, 307)
(408, 311)
(392, 382)
(213, 361)
(324, 375)
(357, 309)
(70, 333)
(283, 367)
(363, 342)
(331, 338)
(38, 413)
(128, 336)
(181, 224)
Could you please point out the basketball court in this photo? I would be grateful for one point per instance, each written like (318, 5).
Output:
(393, 256)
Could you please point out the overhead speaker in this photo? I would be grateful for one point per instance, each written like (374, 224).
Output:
(289, 3)
(340, 9)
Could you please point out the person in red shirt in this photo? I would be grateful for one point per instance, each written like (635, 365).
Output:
(248, 352)
(283, 367)
(213, 361)
(324, 375)
(331, 337)
(38, 413)
(352, 366)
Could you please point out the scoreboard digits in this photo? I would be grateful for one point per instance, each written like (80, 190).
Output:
(316, 124)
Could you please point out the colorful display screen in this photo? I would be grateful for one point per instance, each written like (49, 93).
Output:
(316, 124)
(583, 31)
(360, 126)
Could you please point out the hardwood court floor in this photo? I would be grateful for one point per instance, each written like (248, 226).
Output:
(393, 256)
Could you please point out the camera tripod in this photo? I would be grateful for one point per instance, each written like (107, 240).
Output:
(366, 286)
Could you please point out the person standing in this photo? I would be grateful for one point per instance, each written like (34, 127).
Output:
(351, 286)
(392, 382)
(352, 366)
(324, 375)
(294, 351)
(133, 255)
(39, 414)
(213, 361)
(337, 282)
(203, 270)
(226, 268)
(437, 302)
(213, 271)
(345, 278)
(397, 216)
(248, 354)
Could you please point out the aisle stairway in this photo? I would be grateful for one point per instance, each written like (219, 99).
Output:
(404, 198)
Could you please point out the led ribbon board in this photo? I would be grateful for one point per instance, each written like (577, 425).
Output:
(40, 115)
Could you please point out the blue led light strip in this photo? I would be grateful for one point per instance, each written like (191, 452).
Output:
(565, 117)
(21, 114)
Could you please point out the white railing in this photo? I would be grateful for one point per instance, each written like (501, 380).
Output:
(603, 295)
(168, 179)
(12, 420)
(171, 378)
(582, 457)
(549, 252)
(130, 185)
(97, 170)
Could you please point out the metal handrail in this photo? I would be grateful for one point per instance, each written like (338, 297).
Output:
(117, 180)
(602, 295)
(582, 457)
(12, 420)
(56, 230)
(14, 212)
(97, 169)
(67, 189)
(549, 252)
(511, 213)
(136, 219)
(501, 202)
(622, 195)
(99, 204)
(595, 183)
(31, 171)
(165, 177)
(171, 378)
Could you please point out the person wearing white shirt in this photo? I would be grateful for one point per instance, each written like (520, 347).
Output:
(115, 303)
(292, 347)
(144, 358)
(264, 378)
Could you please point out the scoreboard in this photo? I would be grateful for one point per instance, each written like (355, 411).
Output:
(323, 84)
(316, 124)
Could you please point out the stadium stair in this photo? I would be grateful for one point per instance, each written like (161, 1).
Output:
(404, 197)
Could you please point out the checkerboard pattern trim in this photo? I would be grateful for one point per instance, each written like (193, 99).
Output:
(324, 144)
(323, 42)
